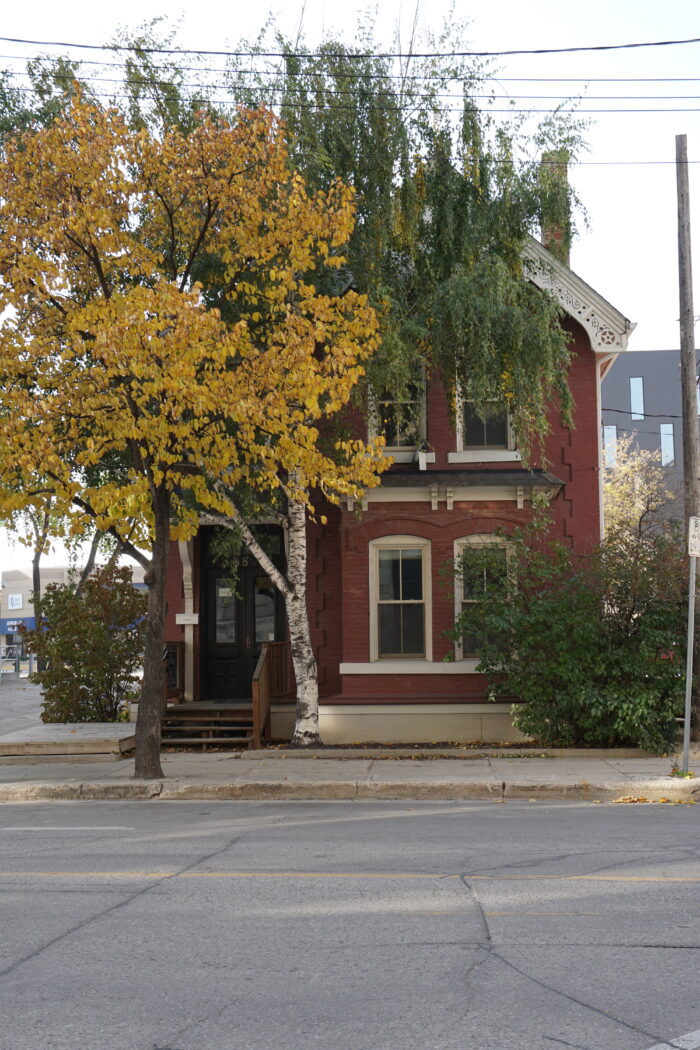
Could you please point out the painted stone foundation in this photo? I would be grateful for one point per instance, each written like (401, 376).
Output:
(405, 724)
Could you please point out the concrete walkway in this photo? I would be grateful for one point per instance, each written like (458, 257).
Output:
(371, 773)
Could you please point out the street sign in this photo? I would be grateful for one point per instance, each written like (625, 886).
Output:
(694, 537)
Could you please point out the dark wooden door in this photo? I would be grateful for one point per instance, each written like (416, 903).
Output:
(239, 615)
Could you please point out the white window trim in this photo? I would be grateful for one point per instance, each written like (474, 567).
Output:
(396, 543)
(479, 540)
(510, 454)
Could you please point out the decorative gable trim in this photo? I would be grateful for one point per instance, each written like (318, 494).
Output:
(607, 329)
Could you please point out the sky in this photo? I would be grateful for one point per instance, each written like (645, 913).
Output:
(627, 246)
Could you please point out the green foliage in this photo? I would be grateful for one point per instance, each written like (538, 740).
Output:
(446, 197)
(593, 645)
(91, 644)
(446, 194)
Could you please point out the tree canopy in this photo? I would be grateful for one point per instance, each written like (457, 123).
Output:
(162, 338)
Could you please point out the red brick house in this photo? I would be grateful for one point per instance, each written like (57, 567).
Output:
(381, 586)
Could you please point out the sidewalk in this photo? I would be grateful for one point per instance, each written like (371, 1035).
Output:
(314, 775)
(372, 773)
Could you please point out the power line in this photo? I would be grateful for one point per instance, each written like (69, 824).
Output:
(339, 75)
(352, 55)
(574, 110)
(338, 93)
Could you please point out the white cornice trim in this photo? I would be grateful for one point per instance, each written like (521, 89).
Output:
(607, 329)
(436, 494)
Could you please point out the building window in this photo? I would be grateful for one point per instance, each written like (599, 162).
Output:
(488, 429)
(400, 420)
(609, 445)
(399, 596)
(481, 563)
(668, 456)
(637, 397)
(484, 436)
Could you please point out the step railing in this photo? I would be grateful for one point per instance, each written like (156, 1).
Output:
(261, 697)
(270, 679)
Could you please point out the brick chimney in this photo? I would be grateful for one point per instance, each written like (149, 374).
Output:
(555, 216)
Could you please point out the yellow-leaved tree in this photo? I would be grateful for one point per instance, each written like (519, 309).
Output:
(164, 341)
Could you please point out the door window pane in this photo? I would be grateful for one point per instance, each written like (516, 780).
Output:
(225, 613)
(264, 610)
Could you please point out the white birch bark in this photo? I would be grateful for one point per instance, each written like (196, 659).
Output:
(292, 586)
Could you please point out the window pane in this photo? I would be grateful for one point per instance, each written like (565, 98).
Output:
(389, 576)
(225, 613)
(667, 450)
(487, 431)
(495, 566)
(469, 641)
(610, 445)
(413, 630)
(496, 427)
(473, 427)
(637, 397)
(472, 573)
(389, 630)
(400, 422)
(411, 575)
(264, 609)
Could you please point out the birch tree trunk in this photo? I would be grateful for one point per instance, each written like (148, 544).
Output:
(306, 726)
(292, 587)
(147, 764)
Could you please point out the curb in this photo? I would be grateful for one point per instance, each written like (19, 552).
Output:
(179, 790)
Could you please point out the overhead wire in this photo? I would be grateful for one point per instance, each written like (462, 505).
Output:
(353, 55)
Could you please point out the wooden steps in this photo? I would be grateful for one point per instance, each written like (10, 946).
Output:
(208, 724)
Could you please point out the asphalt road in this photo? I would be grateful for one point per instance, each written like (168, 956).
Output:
(348, 926)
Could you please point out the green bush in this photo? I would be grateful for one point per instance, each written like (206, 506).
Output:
(594, 645)
(91, 645)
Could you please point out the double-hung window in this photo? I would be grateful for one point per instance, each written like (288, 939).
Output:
(400, 418)
(481, 564)
(400, 598)
(484, 435)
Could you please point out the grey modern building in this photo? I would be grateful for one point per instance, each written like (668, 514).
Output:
(641, 394)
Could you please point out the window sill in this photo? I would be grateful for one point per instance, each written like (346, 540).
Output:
(411, 667)
(485, 455)
(407, 455)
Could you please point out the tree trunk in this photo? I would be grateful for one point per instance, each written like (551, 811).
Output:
(292, 587)
(148, 765)
(306, 732)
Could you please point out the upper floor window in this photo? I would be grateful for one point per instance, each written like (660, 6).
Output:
(401, 420)
(485, 435)
(637, 397)
(400, 598)
(489, 428)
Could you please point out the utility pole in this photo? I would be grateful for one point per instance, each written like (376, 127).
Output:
(689, 401)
